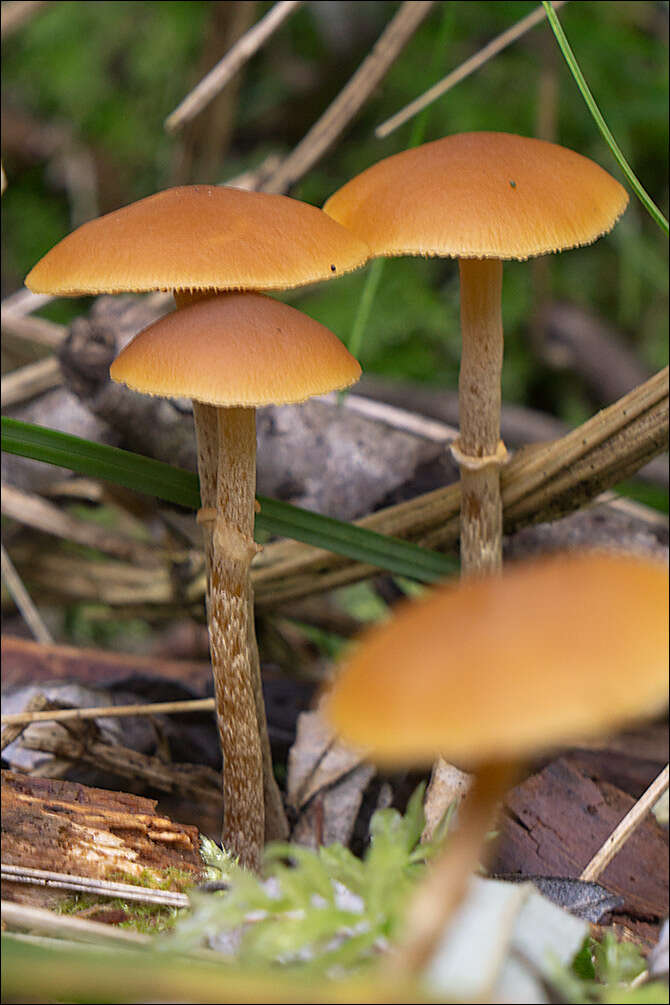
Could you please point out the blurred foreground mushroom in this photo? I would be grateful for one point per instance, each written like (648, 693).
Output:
(196, 240)
(234, 352)
(481, 198)
(493, 671)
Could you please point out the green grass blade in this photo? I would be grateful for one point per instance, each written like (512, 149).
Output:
(143, 474)
(375, 271)
(96, 460)
(630, 175)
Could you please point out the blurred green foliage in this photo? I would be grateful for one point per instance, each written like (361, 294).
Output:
(107, 74)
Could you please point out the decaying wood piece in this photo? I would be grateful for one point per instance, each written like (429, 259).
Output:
(626, 827)
(558, 818)
(70, 828)
(26, 662)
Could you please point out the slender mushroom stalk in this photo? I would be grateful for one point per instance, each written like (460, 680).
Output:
(479, 450)
(435, 901)
(215, 474)
(231, 530)
(482, 198)
(250, 791)
(230, 354)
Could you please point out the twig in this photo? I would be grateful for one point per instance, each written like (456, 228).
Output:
(37, 330)
(464, 70)
(33, 511)
(13, 732)
(199, 783)
(100, 887)
(108, 711)
(353, 95)
(36, 919)
(623, 831)
(23, 302)
(22, 599)
(398, 418)
(30, 380)
(226, 68)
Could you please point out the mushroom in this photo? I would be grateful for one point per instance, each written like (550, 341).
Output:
(197, 240)
(231, 353)
(494, 670)
(481, 198)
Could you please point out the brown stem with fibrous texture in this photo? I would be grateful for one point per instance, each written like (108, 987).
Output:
(226, 444)
(479, 449)
(276, 824)
(447, 879)
(231, 526)
(207, 436)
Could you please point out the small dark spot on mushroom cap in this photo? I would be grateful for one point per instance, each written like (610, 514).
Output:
(333, 268)
(512, 183)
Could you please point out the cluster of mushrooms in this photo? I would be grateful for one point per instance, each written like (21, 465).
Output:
(487, 672)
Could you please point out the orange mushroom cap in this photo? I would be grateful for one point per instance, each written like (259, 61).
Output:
(479, 195)
(499, 668)
(200, 237)
(236, 349)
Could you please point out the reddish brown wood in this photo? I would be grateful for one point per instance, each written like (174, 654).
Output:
(70, 828)
(27, 662)
(557, 819)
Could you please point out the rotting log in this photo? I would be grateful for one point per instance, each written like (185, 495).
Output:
(65, 827)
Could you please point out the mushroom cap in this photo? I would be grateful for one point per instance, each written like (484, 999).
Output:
(503, 667)
(480, 195)
(236, 349)
(200, 237)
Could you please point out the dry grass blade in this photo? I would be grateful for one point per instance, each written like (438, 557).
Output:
(108, 711)
(22, 599)
(541, 482)
(33, 511)
(111, 582)
(351, 98)
(623, 831)
(464, 70)
(227, 67)
(30, 380)
(36, 919)
(99, 887)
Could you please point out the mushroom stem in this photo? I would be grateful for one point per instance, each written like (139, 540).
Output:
(206, 419)
(447, 879)
(479, 450)
(276, 824)
(229, 532)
